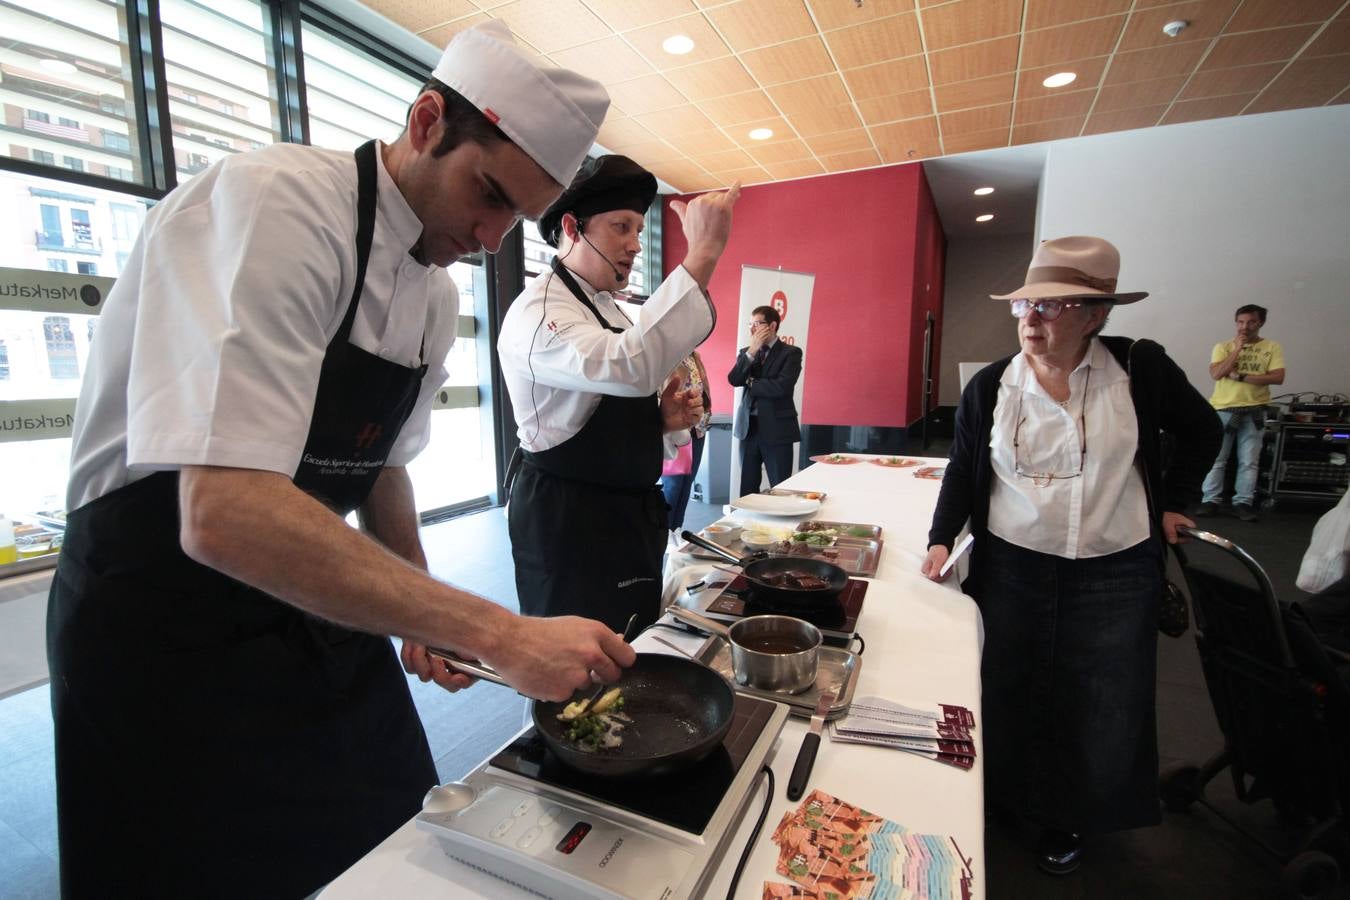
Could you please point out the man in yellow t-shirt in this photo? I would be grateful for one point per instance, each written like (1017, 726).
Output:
(1243, 370)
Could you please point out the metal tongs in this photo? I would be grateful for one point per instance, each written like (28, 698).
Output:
(487, 673)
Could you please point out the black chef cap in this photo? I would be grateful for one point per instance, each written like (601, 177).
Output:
(604, 184)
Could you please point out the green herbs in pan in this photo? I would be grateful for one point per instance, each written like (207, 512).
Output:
(601, 726)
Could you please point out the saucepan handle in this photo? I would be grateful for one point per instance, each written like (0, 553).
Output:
(702, 623)
(468, 666)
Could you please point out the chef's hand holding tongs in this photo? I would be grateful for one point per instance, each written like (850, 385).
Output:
(542, 658)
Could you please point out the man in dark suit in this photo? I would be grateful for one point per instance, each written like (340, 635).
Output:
(766, 421)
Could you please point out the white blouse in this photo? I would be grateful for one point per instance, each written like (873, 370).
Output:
(210, 344)
(1102, 510)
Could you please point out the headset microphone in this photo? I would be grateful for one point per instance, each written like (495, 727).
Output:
(618, 278)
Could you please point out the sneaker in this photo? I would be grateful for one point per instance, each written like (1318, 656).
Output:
(1245, 512)
(1207, 509)
(1058, 852)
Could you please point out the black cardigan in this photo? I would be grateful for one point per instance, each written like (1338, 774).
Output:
(1164, 401)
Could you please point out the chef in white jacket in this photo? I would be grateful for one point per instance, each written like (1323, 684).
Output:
(586, 513)
(230, 718)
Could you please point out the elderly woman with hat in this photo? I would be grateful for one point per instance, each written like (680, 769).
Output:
(1057, 465)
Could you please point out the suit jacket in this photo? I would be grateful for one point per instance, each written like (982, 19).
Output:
(770, 392)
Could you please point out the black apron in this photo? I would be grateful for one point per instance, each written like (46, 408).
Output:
(587, 517)
(211, 740)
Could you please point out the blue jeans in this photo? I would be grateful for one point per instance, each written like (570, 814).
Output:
(677, 487)
(1242, 427)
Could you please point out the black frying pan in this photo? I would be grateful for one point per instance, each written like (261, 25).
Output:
(787, 599)
(680, 709)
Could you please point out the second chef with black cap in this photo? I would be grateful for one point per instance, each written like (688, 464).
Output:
(587, 517)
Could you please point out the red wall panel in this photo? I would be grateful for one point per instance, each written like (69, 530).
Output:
(875, 245)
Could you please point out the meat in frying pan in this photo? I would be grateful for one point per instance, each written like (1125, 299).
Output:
(793, 578)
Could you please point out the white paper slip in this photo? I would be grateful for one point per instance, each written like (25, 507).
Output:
(863, 725)
(957, 552)
(902, 710)
(921, 745)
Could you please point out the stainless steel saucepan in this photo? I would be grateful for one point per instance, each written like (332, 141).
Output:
(768, 653)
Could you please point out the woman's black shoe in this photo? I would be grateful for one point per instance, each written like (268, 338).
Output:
(1058, 852)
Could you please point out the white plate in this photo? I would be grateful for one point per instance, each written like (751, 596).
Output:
(776, 506)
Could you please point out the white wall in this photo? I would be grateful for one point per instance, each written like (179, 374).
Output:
(1211, 215)
(975, 328)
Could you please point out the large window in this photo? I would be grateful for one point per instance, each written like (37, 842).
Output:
(60, 342)
(215, 60)
(84, 109)
(352, 97)
(49, 226)
(63, 85)
(458, 465)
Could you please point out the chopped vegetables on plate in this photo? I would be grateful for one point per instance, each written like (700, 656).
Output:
(818, 537)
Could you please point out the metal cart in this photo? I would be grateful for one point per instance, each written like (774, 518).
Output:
(1283, 708)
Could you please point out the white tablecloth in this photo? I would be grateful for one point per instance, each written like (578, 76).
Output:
(922, 644)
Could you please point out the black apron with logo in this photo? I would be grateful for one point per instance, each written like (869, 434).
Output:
(211, 740)
(587, 517)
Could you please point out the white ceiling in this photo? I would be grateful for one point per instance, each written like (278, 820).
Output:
(1013, 172)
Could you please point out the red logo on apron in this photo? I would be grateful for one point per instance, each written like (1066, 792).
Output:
(779, 303)
(492, 116)
(367, 436)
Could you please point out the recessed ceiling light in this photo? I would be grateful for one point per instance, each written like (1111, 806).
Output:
(1059, 79)
(980, 192)
(678, 44)
(58, 65)
(761, 134)
(984, 218)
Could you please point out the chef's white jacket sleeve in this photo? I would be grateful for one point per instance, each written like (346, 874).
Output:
(239, 294)
(565, 347)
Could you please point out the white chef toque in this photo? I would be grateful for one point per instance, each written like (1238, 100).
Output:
(551, 114)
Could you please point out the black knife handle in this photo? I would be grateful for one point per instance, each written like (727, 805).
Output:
(801, 769)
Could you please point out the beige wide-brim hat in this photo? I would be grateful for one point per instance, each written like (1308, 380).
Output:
(1074, 267)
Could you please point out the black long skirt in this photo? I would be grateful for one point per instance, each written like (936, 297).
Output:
(1068, 673)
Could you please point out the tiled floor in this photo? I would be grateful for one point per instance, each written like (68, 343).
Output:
(1191, 855)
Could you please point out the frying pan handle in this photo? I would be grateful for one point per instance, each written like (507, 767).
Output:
(709, 545)
(703, 623)
(467, 666)
(801, 769)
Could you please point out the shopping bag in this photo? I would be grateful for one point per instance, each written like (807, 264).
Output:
(682, 464)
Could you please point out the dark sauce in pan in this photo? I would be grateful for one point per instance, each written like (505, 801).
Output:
(774, 643)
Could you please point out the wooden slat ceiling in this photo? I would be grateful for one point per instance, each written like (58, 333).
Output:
(850, 84)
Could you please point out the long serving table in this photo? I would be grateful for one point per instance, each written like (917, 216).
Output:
(923, 643)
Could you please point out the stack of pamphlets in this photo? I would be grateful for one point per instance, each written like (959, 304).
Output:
(940, 731)
(834, 850)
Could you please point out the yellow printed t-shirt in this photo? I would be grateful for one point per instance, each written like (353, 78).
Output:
(1255, 359)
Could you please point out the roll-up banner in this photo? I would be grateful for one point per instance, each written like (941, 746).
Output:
(790, 294)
